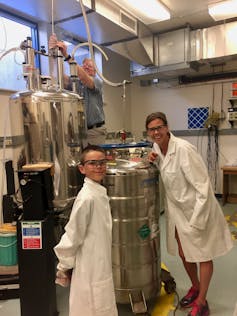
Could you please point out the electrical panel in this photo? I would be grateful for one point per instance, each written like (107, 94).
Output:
(232, 114)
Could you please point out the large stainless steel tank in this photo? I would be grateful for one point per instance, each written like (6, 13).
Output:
(54, 128)
(133, 188)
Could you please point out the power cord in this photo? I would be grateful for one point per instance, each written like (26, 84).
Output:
(177, 305)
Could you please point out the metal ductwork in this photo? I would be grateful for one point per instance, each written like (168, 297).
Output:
(133, 39)
(172, 56)
(216, 44)
(181, 52)
(140, 50)
(169, 54)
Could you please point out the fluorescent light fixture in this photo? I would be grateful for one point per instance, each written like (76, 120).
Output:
(148, 11)
(223, 10)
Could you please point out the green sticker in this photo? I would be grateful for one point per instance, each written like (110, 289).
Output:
(144, 231)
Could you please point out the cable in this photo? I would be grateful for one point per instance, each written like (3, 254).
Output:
(5, 33)
(216, 154)
(213, 153)
(14, 49)
(52, 15)
(208, 149)
(87, 44)
(177, 305)
(92, 53)
(16, 62)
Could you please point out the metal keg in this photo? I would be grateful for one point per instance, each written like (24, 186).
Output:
(54, 128)
(133, 188)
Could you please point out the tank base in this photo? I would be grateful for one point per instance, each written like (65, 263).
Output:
(139, 306)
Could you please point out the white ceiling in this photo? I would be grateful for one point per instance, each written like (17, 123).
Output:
(67, 15)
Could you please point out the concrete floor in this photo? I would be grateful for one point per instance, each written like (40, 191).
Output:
(222, 295)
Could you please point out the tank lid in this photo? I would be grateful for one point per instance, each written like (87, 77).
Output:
(122, 166)
(127, 145)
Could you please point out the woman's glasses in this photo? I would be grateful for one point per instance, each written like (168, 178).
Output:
(155, 129)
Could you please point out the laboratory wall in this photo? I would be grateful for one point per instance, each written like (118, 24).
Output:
(174, 100)
(117, 100)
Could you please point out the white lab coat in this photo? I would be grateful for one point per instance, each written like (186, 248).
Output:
(85, 247)
(235, 311)
(191, 205)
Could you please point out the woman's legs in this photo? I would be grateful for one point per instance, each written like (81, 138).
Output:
(206, 271)
(190, 267)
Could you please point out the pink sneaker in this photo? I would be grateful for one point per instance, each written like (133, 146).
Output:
(189, 298)
(199, 310)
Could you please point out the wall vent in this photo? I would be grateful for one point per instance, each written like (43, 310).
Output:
(128, 22)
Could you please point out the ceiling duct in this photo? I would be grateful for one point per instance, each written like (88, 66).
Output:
(128, 22)
(165, 54)
(138, 43)
(179, 52)
(172, 56)
(140, 50)
(182, 52)
(217, 44)
(141, 47)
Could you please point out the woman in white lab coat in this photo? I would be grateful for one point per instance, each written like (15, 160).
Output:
(194, 217)
(86, 244)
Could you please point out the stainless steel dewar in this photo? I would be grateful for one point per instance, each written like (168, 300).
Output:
(133, 188)
(54, 128)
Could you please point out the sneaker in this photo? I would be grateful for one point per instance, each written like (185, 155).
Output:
(199, 310)
(189, 298)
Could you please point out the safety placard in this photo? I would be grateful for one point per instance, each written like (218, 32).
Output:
(31, 235)
(144, 231)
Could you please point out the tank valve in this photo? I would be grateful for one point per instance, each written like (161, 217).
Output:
(123, 135)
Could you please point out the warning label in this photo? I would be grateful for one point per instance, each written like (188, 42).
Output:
(144, 231)
(31, 235)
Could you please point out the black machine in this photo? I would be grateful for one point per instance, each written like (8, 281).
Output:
(35, 235)
(37, 191)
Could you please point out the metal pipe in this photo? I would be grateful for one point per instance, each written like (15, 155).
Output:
(60, 70)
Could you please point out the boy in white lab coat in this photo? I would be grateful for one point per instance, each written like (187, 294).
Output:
(85, 247)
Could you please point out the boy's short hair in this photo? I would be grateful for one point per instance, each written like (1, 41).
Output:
(88, 149)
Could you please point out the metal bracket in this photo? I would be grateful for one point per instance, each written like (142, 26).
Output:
(139, 306)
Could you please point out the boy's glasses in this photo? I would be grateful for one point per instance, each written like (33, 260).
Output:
(155, 129)
(96, 163)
